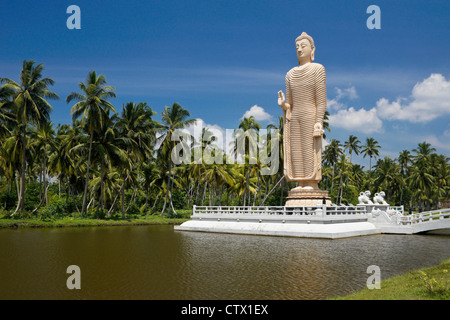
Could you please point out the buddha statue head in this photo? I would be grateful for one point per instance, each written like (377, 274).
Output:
(304, 45)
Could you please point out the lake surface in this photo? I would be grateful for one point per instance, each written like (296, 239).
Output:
(156, 262)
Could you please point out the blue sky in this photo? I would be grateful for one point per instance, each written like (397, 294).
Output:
(219, 59)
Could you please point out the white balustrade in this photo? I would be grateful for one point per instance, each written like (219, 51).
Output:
(297, 213)
(427, 216)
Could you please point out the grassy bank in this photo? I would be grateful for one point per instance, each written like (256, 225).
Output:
(426, 284)
(87, 222)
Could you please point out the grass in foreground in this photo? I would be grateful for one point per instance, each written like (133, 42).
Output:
(426, 284)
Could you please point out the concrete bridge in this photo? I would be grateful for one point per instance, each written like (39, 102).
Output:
(437, 221)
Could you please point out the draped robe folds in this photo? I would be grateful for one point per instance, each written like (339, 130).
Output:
(306, 94)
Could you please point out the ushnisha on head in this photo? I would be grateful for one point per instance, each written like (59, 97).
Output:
(305, 48)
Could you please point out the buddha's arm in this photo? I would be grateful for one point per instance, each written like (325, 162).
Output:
(288, 103)
(321, 95)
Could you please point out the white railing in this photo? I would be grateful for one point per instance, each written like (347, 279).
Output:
(398, 209)
(306, 212)
(427, 216)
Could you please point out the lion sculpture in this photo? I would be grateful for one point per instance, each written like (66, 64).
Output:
(364, 198)
(379, 198)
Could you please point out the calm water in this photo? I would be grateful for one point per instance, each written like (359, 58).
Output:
(156, 262)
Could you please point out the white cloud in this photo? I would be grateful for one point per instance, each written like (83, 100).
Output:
(361, 120)
(334, 104)
(348, 93)
(258, 113)
(216, 130)
(440, 143)
(430, 99)
(447, 134)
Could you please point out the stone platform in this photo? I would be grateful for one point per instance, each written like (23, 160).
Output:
(307, 197)
(328, 222)
(320, 221)
(324, 231)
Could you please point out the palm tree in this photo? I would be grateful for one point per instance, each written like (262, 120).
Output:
(6, 117)
(344, 172)
(108, 152)
(173, 118)
(387, 176)
(43, 139)
(404, 158)
(218, 176)
(357, 179)
(136, 123)
(371, 149)
(331, 155)
(352, 145)
(29, 106)
(279, 177)
(93, 107)
(423, 152)
(10, 158)
(243, 143)
(280, 129)
(441, 175)
(107, 185)
(61, 162)
(421, 181)
(154, 180)
(326, 124)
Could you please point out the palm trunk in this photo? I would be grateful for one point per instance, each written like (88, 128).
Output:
(332, 180)
(122, 198)
(204, 193)
(282, 190)
(259, 191)
(45, 176)
(40, 183)
(247, 183)
(101, 201)
(86, 185)
(75, 201)
(197, 192)
(115, 199)
(133, 197)
(167, 189)
(154, 204)
(21, 193)
(340, 189)
(171, 193)
(274, 187)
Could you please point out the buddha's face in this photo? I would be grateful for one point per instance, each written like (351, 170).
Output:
(304, 51)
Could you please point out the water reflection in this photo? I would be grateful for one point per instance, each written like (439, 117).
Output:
(156, 262)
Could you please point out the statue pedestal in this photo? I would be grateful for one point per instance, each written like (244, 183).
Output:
(307, 194)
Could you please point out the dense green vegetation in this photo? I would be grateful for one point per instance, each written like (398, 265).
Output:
(116, 163)
(76, 220)
(426, 284)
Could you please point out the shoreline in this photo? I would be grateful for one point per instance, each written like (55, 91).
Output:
(88, 222)
(420, 284)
